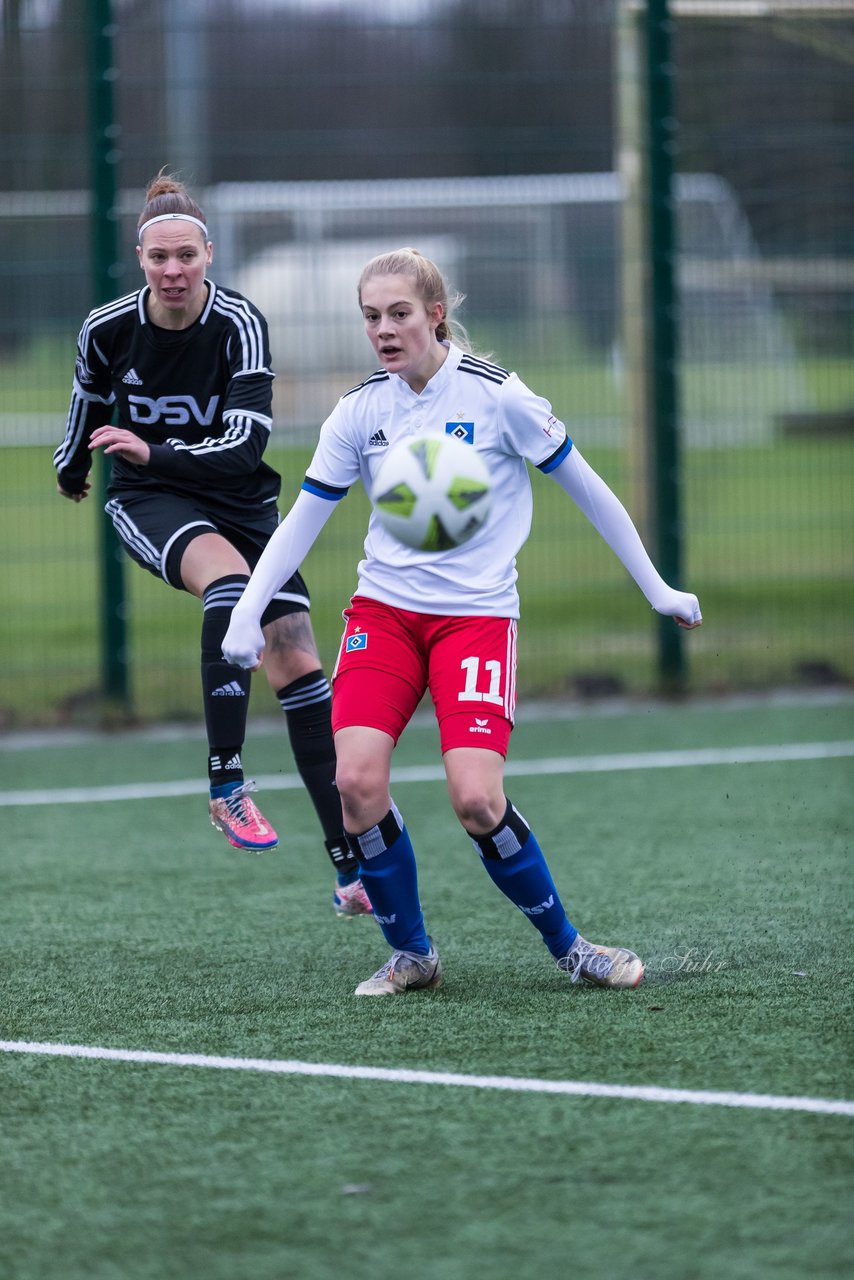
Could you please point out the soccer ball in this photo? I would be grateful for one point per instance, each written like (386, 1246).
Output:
(432, 492)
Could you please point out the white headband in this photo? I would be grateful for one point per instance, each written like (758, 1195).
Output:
(168, 217)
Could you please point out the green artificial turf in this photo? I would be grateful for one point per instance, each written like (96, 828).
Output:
(133, 925)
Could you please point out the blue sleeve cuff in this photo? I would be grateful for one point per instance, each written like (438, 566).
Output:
(321, 490)
(556, 458)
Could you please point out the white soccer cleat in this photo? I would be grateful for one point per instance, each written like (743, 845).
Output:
(614, 967)
(404, 971)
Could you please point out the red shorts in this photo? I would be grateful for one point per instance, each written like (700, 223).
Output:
(390, 657)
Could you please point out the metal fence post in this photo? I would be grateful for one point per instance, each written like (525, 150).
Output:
(106, 270)
(647, 133)
(664, 473)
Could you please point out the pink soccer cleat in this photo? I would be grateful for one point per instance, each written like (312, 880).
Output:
(241, 821)
(351, 900)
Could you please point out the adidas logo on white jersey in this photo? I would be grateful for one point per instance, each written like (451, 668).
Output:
(132, 378)
(378, 439)
(230, 690)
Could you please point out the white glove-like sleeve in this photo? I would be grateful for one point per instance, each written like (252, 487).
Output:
(284, 553)
(611, 520)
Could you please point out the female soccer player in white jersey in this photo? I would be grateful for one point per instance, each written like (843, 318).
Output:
(444, 621)
(184, 366)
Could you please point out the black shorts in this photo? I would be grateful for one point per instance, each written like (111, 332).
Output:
(156, 529)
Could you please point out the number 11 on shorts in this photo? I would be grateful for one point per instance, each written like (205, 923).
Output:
(471, 693)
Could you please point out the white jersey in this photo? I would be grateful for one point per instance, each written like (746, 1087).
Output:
(489, 408)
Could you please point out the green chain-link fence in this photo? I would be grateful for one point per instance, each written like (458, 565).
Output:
(496, 135)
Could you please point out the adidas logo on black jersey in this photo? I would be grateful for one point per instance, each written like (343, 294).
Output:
(132, 378)
(378, 438)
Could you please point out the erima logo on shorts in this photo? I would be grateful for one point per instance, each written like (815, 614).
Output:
(386, 919)
(479, 726)
(358, 641)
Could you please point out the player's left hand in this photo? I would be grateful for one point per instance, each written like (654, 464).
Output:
(682, 607)
(243, 645)
(124, 443)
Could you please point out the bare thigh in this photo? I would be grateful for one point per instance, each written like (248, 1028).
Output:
(208, 557)
(291, 649)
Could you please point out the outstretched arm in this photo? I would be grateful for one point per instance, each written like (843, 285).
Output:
(611, 520)
(284, 553)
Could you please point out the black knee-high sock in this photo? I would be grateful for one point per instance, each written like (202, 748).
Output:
(307, 704)
(225, 689)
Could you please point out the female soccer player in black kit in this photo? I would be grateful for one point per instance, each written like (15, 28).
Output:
(184, 366)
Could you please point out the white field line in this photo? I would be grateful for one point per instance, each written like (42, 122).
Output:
(703, 758)
(393, 1075)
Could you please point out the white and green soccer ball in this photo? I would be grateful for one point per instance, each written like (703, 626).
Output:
(432, 492)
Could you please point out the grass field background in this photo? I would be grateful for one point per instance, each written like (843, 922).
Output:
(131, 924)
(768, 546)
(770, 532)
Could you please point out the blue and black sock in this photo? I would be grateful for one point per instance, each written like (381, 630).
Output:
(390, 877)
(516, 864)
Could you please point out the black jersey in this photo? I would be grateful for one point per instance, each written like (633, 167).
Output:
(200, 397)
